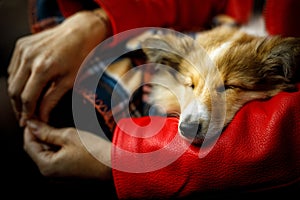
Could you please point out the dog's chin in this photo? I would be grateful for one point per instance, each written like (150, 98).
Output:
(199, 137)
(196, 141)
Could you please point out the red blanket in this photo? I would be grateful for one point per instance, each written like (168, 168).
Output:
(260, 149)
(281, 15)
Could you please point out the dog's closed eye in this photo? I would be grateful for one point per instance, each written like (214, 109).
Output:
(223, 88)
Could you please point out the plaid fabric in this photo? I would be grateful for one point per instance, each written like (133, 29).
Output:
(43, 14)
(122, 105)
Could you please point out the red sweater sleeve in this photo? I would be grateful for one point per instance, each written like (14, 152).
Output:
(178, 14)
(258, 150)
(282, 17)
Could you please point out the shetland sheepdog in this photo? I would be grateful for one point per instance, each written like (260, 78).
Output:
(209, 78)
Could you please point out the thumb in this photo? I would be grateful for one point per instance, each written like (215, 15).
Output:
(45, 133)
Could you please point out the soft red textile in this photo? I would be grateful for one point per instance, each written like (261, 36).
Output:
(181, 15)
(282, 17)
(69, 7)
(258, 150)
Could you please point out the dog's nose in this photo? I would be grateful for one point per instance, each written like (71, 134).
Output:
(190, 130)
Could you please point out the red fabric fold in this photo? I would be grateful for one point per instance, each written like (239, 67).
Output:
(258, 150)
(69, 7)
(180, 15)
(282, 17)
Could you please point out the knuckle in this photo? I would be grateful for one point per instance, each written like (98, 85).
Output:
(40, 67)
(20, 43)
(46, 170)
(12, 93)
(68, 133)
(26, 56)
(26, 100)
(21, 46)
(46, 136)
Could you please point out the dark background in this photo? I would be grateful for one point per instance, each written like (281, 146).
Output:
(19, 176)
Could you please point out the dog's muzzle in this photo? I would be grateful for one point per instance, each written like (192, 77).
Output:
(192, 132)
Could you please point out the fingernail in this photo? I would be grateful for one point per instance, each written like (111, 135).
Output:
(32, 126)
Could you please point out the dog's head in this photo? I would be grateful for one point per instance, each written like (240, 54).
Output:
(218, 73)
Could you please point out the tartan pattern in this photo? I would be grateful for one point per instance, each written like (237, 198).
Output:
(43, 14)
(109, 109)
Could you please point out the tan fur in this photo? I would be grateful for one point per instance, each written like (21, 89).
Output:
(250, 67)
(123, 72)
(247, 68)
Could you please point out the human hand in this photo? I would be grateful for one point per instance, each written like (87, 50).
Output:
(43, 66)
(67, 152)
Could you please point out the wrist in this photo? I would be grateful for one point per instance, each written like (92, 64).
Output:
(102, 16)
(90, 27)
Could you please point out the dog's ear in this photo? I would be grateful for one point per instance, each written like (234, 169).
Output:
(281, 59)
(165, 49)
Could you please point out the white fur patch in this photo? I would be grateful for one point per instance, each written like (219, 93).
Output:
(255, 26)
(218, 51)
(195, 112)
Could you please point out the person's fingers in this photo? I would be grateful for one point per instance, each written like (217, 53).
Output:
(45, 133)
(16, 107)
(14, 62)
(15, 59)
(25, 49)
(28, 73)
(31, 145)
(31, 94)
(15, 88)
(41, 153)
(56, 91)
(18, 72)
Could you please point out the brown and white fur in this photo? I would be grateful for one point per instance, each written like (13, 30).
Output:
(248, 67)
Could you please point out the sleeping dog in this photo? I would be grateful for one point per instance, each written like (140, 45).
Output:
(209, 78)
